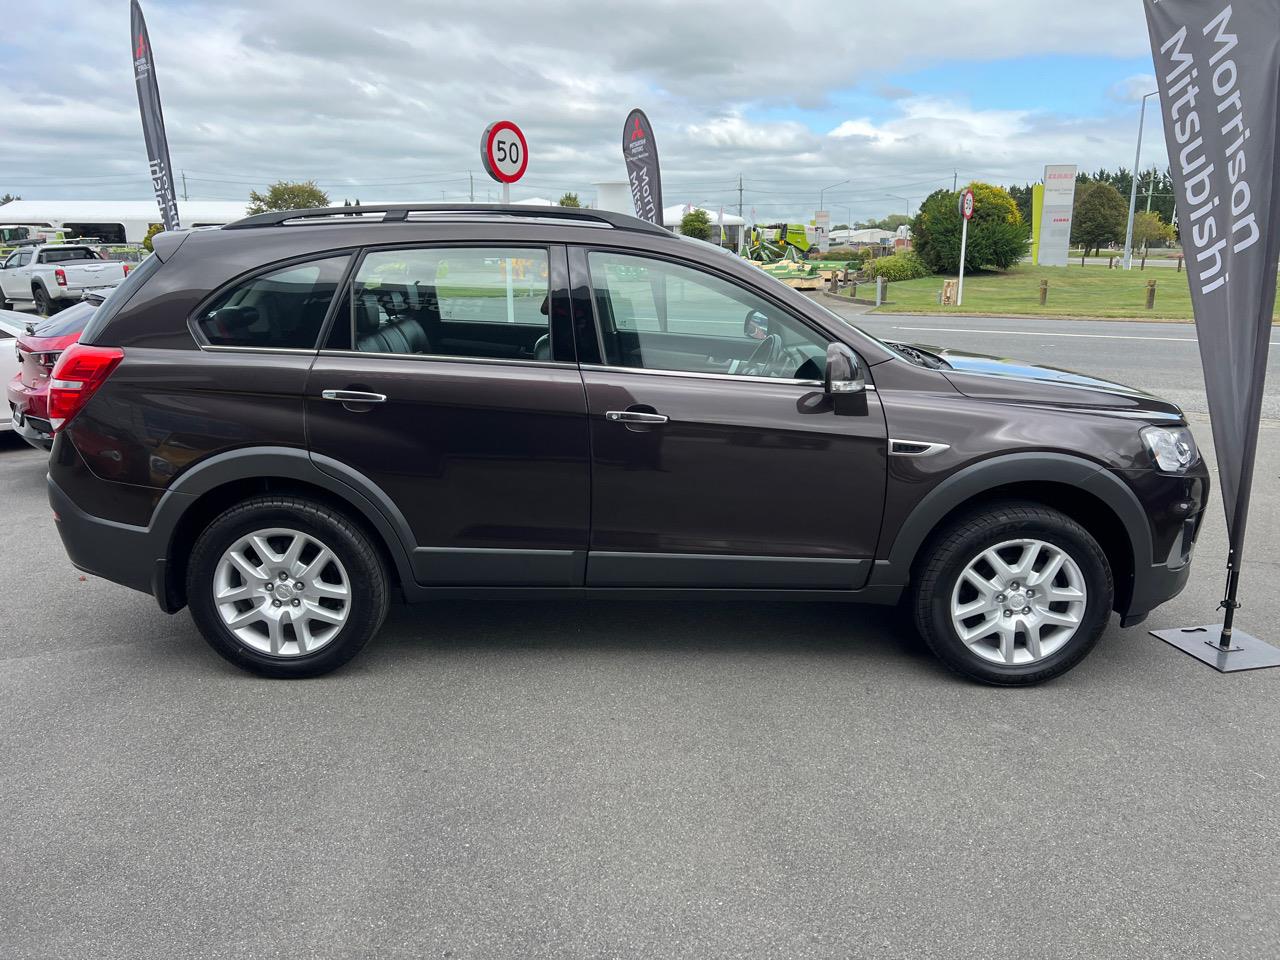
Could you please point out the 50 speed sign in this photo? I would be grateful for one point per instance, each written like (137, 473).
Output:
(966, 204)
(504, 151)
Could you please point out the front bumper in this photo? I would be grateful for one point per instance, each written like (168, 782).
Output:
(1175, 508)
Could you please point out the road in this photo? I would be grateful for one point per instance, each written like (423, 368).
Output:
(1161, 358)
(675, 780)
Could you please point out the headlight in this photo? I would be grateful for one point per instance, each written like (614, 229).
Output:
(1172, 448)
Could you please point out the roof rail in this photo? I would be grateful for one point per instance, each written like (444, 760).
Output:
(399, 212)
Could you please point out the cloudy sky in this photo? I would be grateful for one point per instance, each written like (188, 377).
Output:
(386, 99)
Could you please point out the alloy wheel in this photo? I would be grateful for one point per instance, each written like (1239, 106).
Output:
(1018, 602)
(282, 592)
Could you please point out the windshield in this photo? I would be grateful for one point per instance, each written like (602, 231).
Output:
(67, 254)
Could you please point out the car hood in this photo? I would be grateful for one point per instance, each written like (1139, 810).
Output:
(996, 378)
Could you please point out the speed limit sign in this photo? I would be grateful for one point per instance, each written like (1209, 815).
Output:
(504, 151)
(966, 205)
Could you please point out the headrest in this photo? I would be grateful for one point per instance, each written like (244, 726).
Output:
(368, 314)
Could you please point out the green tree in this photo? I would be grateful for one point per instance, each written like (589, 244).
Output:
(287, 195)
(892, 222)
(151, 232)
(7, 197)
(1022, 197)
(1149, 229)
(997, 233)
(570, 200)
(1099, 215)
(696, 224)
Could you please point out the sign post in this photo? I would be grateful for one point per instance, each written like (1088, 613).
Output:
(1220, 132)
(966, 211)
(505, 154)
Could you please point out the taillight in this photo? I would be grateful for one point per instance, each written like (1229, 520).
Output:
(79, 372)
(60, 276)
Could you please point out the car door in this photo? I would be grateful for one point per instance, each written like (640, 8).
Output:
(450, 382)
(12, 326)
(15, 277)
(718, 458)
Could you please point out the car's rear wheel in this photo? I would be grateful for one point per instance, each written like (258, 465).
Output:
(1014, 594)
(286, 587)
(42, 301)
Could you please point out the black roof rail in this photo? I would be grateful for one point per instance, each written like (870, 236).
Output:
(399, 212)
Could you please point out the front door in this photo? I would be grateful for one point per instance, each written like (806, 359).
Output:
(449, 383)
(718, 460)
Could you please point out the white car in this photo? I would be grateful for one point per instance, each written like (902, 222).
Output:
(12, 325)
(51, 276)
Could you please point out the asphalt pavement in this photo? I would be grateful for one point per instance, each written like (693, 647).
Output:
(673, 780)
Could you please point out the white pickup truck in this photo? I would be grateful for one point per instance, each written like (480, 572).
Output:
(53, 275)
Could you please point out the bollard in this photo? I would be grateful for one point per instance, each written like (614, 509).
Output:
(1082, 259)
(853, 290)
(1151, 294)
(1144, 261)
(1179, 263)
(879, 290)
(1111, 263)
(1044, 291)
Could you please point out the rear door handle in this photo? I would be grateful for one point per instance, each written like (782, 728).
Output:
(634, 416)
(353, 396)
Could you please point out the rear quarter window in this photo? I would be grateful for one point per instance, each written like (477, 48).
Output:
(118, 297)
(281, 309)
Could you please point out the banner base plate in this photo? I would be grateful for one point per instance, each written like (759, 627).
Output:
(1245, 653)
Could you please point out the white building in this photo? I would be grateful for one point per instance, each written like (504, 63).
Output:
(726, 229)
(115, 221)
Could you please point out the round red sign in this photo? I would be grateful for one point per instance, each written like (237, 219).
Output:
(504, 151)
(966, 206)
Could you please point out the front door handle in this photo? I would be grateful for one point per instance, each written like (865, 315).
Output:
(353, 396)
(634, 416)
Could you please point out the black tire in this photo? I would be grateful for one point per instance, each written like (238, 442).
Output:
(42, 301)
(369, 594)
(951, 550)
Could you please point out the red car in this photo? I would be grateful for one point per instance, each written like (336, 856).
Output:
(38, 350)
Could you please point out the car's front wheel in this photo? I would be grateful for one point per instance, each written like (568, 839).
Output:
(286, 587)
(1013, 594)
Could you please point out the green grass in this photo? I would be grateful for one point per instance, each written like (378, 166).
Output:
(1073, 291)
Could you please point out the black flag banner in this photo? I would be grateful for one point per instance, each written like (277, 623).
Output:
(144, 75)
(641, 153)
(1218, 69)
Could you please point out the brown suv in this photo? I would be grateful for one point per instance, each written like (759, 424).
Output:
(286, 422)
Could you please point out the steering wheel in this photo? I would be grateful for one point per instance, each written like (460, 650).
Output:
(764, 356)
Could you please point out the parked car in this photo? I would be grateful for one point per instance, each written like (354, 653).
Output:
(37, 348)
(54, 275)
(12, 325)
(286, 422)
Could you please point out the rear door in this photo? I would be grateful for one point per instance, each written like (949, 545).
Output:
(718, 460)
(449, 380)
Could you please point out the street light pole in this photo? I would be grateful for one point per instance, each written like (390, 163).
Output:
(1133, 189)
(825, 189)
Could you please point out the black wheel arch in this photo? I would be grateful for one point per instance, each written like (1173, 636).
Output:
(203, 491)
(1083, 489)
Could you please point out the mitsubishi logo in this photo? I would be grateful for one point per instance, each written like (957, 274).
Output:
(637, 132)
(142, 47)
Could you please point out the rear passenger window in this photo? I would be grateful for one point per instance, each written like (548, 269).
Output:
(285, 308)
(478, 302)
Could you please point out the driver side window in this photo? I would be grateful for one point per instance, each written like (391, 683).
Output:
(655, 315)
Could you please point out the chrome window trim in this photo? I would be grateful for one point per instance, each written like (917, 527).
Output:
(229, 348)
(739, 378)
(445, 358)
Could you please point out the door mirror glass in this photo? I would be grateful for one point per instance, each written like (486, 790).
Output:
(844, 372)
(756, 325)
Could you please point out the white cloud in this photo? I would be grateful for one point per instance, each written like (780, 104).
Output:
(388, 101)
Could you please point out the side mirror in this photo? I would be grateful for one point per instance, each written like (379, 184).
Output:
(844, 372)
(755, 325)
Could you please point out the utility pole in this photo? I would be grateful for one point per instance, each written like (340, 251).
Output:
(472, 180)
(1133, 189)
(739, 196)
(955, 176)
(1151, 186)
(184, 185)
